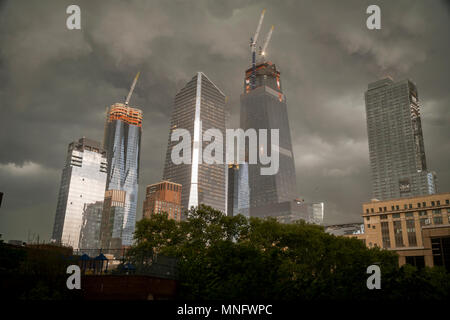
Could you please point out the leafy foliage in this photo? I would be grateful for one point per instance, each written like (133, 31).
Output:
(221, 257)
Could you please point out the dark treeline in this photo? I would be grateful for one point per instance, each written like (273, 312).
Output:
(236, 258)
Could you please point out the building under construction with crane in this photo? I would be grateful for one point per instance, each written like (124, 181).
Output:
(263, 106)
(122, 141)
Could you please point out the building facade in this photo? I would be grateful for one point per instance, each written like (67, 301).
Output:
(264, 107)
(198, 106)
(417, 228)
(312, 211)
(90, 228)
(238, 192)
(396, 147)
(83, 183)
(164, 196)
(122, 141)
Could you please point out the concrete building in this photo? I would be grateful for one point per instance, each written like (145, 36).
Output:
(122, 141)
(164, 196)
(83, 183)
(396, 147)
(417, 228)
(198, 106)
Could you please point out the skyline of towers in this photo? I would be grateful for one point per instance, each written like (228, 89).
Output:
(83, 182)
(198, 106)
(122, 141)
(396, 147)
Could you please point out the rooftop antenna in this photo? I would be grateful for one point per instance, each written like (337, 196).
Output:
(127, 100)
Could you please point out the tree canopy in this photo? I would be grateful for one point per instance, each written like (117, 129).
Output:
(221, 257)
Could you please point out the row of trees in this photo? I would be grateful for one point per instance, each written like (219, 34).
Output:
(221, 257)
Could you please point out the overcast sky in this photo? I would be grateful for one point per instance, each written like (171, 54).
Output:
(55, 85)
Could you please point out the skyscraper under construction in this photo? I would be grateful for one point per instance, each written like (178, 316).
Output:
(122, 142)
(263, 106)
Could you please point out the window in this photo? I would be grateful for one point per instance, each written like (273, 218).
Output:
(397, 207)
(418, 205)
(410, 205)
(417, 261)
(411, 230)
(398, 234)
(379, 209)
(409, 215)
(367, 218)
(384, 209)
(392, 208)
(424, 221)
(367, 210)
(371, 210)
(405, 206)
(447, 201)
(441, 252)
(422, 213)
(437, 220)
(368, 226)
(437, 211)
(424, 204)
(432, 203)
(396, 215)
(385, 235)
(438, 203)
(383, 217)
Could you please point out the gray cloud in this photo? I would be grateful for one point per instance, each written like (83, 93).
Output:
(56, 83)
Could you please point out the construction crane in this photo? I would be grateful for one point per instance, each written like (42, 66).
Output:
(127, 100)
(253, 48)
(266, 42)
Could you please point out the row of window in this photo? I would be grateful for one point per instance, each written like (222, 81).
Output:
(410, 231)
(408, 206)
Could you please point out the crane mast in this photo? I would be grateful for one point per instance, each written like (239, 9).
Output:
(266, 42)
(127, 100)
(253, 48)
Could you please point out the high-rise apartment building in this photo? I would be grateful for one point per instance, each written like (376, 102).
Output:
(198, 106)
(82, 185)
(164, 196)
(396, 147)
(263, 106)
(122, 142)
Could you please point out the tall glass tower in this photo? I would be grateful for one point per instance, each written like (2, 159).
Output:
(396, 148)
(122, 143)
(198, 106)
(263, 106)
(82, 186)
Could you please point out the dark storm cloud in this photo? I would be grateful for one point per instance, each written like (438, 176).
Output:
(56, 83)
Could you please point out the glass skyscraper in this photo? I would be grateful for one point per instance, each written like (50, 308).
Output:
(238, 197)
(263, 106)
(122, 143)
(82, 186)
(198, 106)
(396, 147)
